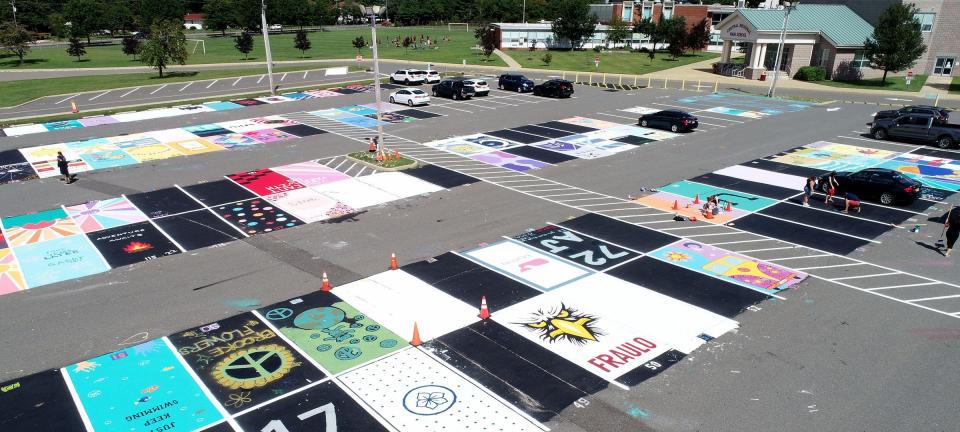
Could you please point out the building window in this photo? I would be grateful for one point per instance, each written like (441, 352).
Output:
(860, 59)
(647, 12)
(667, 9)
(926, 20)
(715, 18)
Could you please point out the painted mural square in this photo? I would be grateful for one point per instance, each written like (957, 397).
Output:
(97, 121)
(490, 142)
(152, 152)
(738, 200)
(274, 121)
(323, 407)
(163, 202)
(395, 300)
(322, 93)
(309, 205)
(222, 106)
(579, 248)
(17, 172)
(274, 99)
(248, 102)
(359, 121)
(243, 362)
(391, 117)
(265, 181)
(509, 161)
(198, 229)
(331, 331)
(430, 396)
(359, 110)
(39, 402)
(218, 192)
(241, 126)
(686, 207)
(729, 266)
(231, 140)
(109, 213)
(135, 140)
(59, 260)
(736, 112)
(257, 216)
(589, 122)
(297, 96)
(301, 130)
(355, 193)
(38, 227)
(169, 135)
(933, 172)
(11, 157)
(194, 146)
(11, 277)
(527, 264)
(62, 125)
(95, 145)
(310, 173)
(458, 146)
(269, 135)
(108, 159)
(608, 326)
(141, 386)
(130, 244)
(44, 159)
(578, 150)
(399, 184)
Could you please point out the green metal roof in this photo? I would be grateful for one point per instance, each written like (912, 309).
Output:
(836, 22)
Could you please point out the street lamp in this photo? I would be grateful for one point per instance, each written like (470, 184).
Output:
(13, 4)
(787, 8)
(371, 11)
(266, 45)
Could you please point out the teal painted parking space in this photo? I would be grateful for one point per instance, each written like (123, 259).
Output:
(740, 200)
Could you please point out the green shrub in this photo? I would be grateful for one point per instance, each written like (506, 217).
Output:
(811, 73)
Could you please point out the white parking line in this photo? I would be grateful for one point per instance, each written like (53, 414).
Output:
(235, 82)
(828, 266)
(161, 88)
(66, 99)
(305, 74)
(261, 78)
(697, 111)
(801, 257)
(283, 77)
(866, 276)
(903, 286)
(742, 241)
(819, 228)
(933, 298)
(765, 249)
(101, 94)
(188, 85)
(131, 91)
(211, 84)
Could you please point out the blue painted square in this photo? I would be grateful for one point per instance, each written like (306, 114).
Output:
(58, 260)
(108, 159)
(222, 106)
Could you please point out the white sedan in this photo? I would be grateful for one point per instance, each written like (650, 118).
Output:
(410, 97)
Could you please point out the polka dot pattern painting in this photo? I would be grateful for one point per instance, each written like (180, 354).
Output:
(257, 216)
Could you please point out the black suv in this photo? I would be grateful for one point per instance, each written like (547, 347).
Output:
(941, 115)
(557, 88)
(518, 83)
(454, 89)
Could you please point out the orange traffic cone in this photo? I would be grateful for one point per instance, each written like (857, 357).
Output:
(484, 310)
(696, 199)
(676, 205)
(708, 214)
(379, 157)
(396, 154)
(393, 261)
(373, 147)
(729, 207)
(326, 283)
(389, 155)
(416, 335)
(73, 106)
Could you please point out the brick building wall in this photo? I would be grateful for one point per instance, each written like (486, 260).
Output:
(943, 40)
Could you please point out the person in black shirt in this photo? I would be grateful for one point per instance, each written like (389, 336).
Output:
(952, 226)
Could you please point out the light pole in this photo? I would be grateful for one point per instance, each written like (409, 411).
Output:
(370, 11)
(787, 7)
(266, 44)
(524, 12)
(13, 4)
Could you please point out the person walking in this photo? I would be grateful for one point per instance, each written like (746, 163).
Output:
(831, 188)
(952, 228)
(808, 190)
(64, 167)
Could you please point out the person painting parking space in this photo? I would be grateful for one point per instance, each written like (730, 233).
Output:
(951, 227)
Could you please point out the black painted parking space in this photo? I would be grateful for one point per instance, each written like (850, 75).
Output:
(163, 202)
(747, 186)
(198, 229)
(218, 192)
(630, 236)
(418, 114)
(512, 135)
(783, 168)
(468, 281)
(943, 154)
(651, 368)
(541, 131)
(800, 234)
(10, 157)
(133, 243)
(441, 176)
(38, 402)
(579, 248)
(634, 140)
(873, 211)
(712, 294)
(301, 130)
(834, 221)
(548, 382)
(300, 413)
(540, 154)
(572, 128)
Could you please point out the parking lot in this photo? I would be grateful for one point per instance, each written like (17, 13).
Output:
(768, 307)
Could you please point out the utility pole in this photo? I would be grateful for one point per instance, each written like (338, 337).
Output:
(524, 12)
(376, 75)
(266, 44)
(787, 7)
(13, 4)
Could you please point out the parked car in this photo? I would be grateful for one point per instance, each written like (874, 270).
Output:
(518, 83)
(675, 120)
(453, 88)
(557, 88)
(942, 115)
(277, 27)
(880, 184)
(432, 77)
(918, 127)
(410, 96)
(480, 87)
(408, 76)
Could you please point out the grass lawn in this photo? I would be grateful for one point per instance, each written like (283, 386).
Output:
(610, 61)
(893, 83)
(326, 45)
(955, 85)
(17, 92)
(392, 163)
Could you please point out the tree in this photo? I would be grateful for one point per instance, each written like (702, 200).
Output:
(574, 22)
(131, 46)
(219, 15)
(486, 36)
(76, 48)
(244, 44)
(85, 17)
(699, 36)
(653, 32)
(166, 45)
(674, 31)
(897, 41)
(15, 39)
(155, 11)
(619, 31)
(547, 58)
(301, 42)
(117, 16)
(359, 43)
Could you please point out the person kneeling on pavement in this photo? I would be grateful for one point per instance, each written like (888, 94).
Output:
(851, 201)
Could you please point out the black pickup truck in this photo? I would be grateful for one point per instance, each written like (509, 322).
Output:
(923, 128)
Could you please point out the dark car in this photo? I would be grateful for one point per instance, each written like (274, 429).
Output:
(941, 115)
(557, 88)
(674, 120)
(518, 83)
(454, 89)
(916, 127)
(880, 184)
